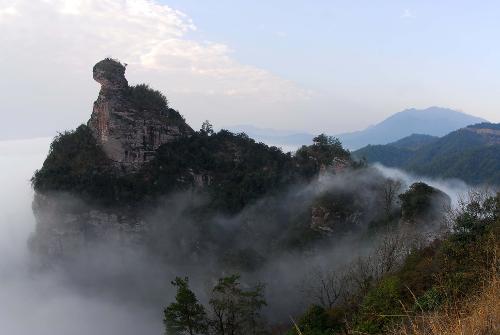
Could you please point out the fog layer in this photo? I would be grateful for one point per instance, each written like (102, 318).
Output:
(114, 291)
(44, 303)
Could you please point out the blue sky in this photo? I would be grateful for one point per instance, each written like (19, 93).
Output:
(405, 45)
(316, 66)
(302, 39)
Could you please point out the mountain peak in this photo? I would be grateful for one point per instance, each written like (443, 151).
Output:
(434, 121)
(131, 122)
(110, 73)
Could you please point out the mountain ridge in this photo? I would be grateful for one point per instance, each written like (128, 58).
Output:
(433, 121)
(471, 153)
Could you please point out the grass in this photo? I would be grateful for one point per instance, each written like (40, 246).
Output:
(478, 315)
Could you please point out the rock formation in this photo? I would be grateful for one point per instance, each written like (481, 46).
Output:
(66, 226)
(82, 200)
(130, 123)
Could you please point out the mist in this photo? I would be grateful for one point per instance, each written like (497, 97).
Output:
(44, 302)
(116, 289)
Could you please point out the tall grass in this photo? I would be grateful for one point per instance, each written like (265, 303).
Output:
(478, 315)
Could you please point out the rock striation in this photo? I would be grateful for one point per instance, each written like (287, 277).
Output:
(130, 123)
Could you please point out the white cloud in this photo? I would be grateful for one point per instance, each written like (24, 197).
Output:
(50, 46)
(142, 33)
(6, 12)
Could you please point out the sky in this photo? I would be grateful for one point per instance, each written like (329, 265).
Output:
(315, 66)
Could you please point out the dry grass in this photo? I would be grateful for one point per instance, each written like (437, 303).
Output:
(477, 316)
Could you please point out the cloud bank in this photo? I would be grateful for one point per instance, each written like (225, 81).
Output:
(49, 47)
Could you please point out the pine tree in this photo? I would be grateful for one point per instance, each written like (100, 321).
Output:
(236, 311)
(185, 315)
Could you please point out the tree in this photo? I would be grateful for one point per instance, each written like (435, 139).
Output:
(236, 311)
(185, 315)
(322, 153)
(326, 287)
(391, 189)
(317, 321)
(419, 200)
(325, 140)
(207, 128)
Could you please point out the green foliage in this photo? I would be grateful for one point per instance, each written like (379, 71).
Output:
(386, 154)
(381, 306)
(419, 270)
(233, 168)
(476, 216)
(207, 128)
(75, 163)
(429, 301)
(319, 321)
(414, 141)
(322, 152)
(110, 65)
(235, 310)
(434, 276)
(237, 170)
(418, 200)
(147, 98)
(462, 154)
(185, 315)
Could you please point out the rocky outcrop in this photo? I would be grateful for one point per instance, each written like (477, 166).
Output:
(329, 220)
(66, 226)
(130, 132)
(319, 219)
(489, 134)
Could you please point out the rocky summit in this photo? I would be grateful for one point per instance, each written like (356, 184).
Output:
(131, 122)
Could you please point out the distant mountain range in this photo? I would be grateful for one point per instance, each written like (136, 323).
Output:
(434, 121)
(288, 140)
(471, 154)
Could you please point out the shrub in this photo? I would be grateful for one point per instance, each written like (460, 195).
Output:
(381, 306)
(319, 321)
(75, 163)
(146, 98)
(110, 65)
(419, 201)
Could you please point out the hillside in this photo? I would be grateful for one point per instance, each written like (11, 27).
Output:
(434, 121)
(447, 287)
(471, 154)
(414, 141)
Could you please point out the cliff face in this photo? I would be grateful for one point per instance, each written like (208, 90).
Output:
(129, 132)
(66, 226)
(129, 123)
